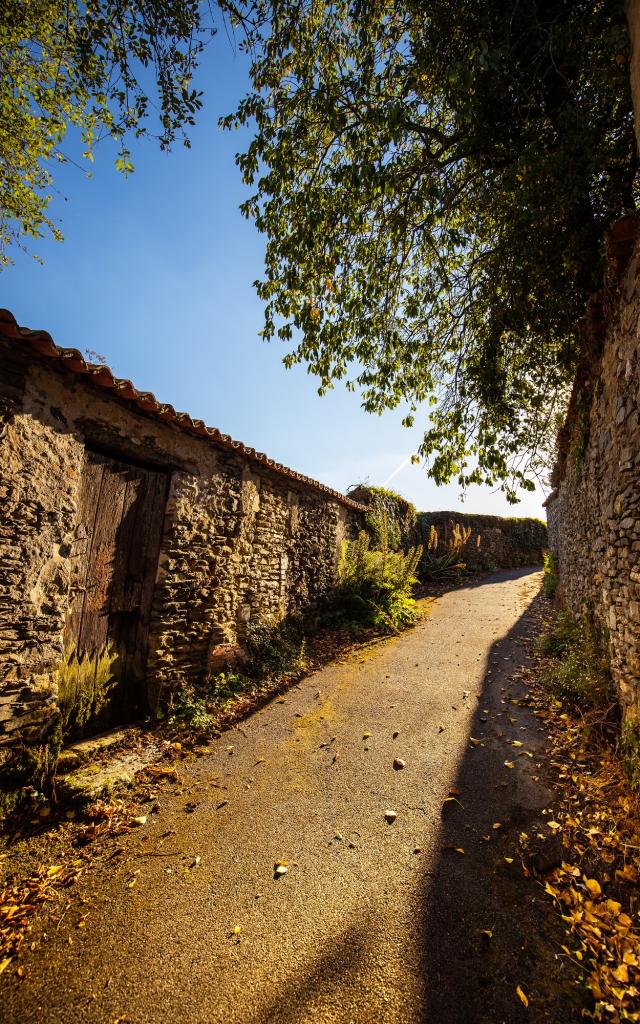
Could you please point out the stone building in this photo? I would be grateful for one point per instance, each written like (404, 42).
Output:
(135, 540)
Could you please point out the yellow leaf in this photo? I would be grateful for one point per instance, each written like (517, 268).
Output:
(554, 825)
(593, 886)
(459, 849)
(521, 996)
(366, 735)
(509, 860)
(474, 742)
(516, 743)
(487, 932)
(509, 764)
(5, 963)
(496, 825)
(140, 820)
(627, 874)
(622, 974)
(54, 870)
(237, 929)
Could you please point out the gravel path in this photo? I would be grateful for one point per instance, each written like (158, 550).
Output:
(373, 921)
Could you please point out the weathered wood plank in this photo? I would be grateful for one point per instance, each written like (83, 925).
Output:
(94, 628)
(120, 523)
(81, 555)
(151, 528)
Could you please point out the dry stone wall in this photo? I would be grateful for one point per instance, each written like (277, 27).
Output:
(494, 542)
(240, 542)
(594, 511)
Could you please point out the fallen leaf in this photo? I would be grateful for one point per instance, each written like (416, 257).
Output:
(496, 825)
(474, 742)
(237, 929)
(521, 996)
(280, 868)
(509, 764)
(627, 874)
(487, 933)
(593, 886)
(5, 963)
(141, 819)
(621, 974)
(390, 816)
(398, 764)
(366, 735)
(54, 870)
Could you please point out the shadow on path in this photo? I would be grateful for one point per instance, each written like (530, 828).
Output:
(469, 976)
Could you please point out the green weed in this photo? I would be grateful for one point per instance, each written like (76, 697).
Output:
(629, 751)
(275, 648)
(375, 587)
(550, 575)
(579, 673)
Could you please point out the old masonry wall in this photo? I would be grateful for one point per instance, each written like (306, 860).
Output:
(594, 510)
(240, 542)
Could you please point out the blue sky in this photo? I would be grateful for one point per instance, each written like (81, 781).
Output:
(156, 274)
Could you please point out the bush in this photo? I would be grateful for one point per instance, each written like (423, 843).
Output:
(193, 709)
(275, 648)
(550, 577)
(375, 587)
(390, 516)
(581, 674)
(227, 685)
(189, 710)
(442, 561)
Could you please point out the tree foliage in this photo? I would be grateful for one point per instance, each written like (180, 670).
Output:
(111, 70)
(434, 182)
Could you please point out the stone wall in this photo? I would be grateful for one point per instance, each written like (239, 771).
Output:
(494, 542)
(594, 510)
(241, 541)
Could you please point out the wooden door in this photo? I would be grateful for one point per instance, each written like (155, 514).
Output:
(115, 560)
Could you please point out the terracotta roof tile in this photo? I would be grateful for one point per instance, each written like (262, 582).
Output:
(73, 360)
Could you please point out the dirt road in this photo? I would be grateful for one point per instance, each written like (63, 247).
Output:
(374, 921)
